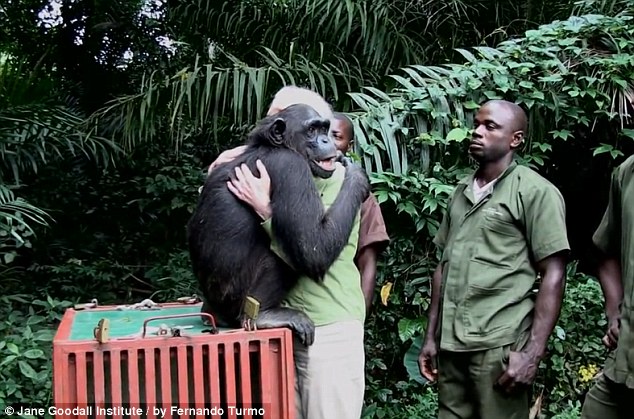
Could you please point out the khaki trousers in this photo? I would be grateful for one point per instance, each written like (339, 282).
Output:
(608, 400)
(330, 375)
(466, 385)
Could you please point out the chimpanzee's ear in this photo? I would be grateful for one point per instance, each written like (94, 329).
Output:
(278, 127)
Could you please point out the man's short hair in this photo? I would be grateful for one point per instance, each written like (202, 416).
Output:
(520, 120)
(293, 95)
(350, 127)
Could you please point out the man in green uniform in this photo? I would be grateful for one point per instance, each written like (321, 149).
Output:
(504, 226)
(612, 395)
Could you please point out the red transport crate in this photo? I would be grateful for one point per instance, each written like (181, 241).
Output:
(165, 357)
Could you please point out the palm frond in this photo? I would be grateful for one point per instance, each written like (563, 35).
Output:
(19, 211)
(34, 135)
(377, 33)
(604, 7)
(552, 71)
(197, 98)
(35, 128)
(16, 219)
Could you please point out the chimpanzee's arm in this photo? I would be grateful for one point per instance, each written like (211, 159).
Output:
(310, 237)
(255, 191)
(276, 246)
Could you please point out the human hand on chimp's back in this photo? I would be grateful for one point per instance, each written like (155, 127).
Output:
(252, 190)
(520, 372)
(226, 156)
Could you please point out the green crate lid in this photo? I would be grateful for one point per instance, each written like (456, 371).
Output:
(129, 322)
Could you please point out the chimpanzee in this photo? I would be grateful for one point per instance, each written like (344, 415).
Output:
(229, 248)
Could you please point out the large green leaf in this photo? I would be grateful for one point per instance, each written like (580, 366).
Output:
(410, 360)
(16, 217)
(199, 97)
(409, 328)
(377, 36)
(552, 72)
(36, 128)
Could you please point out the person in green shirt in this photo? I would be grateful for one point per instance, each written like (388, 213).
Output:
(504, 227)
(330, 374)
(612, 394)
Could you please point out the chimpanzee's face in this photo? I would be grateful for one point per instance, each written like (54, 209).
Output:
(321, 150)
(306, 132)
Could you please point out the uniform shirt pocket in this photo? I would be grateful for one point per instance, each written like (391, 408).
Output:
(501, 242)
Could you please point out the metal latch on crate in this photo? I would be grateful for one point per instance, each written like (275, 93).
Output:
(193, 299)
(176, 331)
(92, 304)
(102, 331)
(146, 304)
(251, 311)
(165, 330)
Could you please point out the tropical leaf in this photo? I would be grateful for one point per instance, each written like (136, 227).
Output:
(36, 134)
(430, 109)
(198, 98)
(253, 47)
(35, 129)
(410, 360)
(16, 219)
(376, 34)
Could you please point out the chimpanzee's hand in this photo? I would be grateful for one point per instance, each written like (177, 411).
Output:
(343, 159)
(358, 181)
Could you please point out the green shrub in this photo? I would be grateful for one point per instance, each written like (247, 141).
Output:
(26, 349)
(573, 77)
(575, 351)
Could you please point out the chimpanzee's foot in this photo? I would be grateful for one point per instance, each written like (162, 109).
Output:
(248, 324)
(286, 317)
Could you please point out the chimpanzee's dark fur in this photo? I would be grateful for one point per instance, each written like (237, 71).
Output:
(229, 248)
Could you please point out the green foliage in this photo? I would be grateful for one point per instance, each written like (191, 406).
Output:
(200, 97)
(420, 197)
(421, 403)
(391, 330)
(230, 72)
(576, 346)
(382, 29)
(411, 356)
(574, 80)
(570, 75)
(16, 215)
(26, 342)
(118, 233)
(572, 410)
(174, 278)
(36, 127)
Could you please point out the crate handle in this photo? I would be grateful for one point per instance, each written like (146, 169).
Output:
(214, 329)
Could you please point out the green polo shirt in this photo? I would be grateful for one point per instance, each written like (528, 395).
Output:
(340, 296)
(615, 236)
(490, 250)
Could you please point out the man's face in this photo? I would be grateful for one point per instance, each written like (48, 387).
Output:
(340, 133)
(493, 136)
